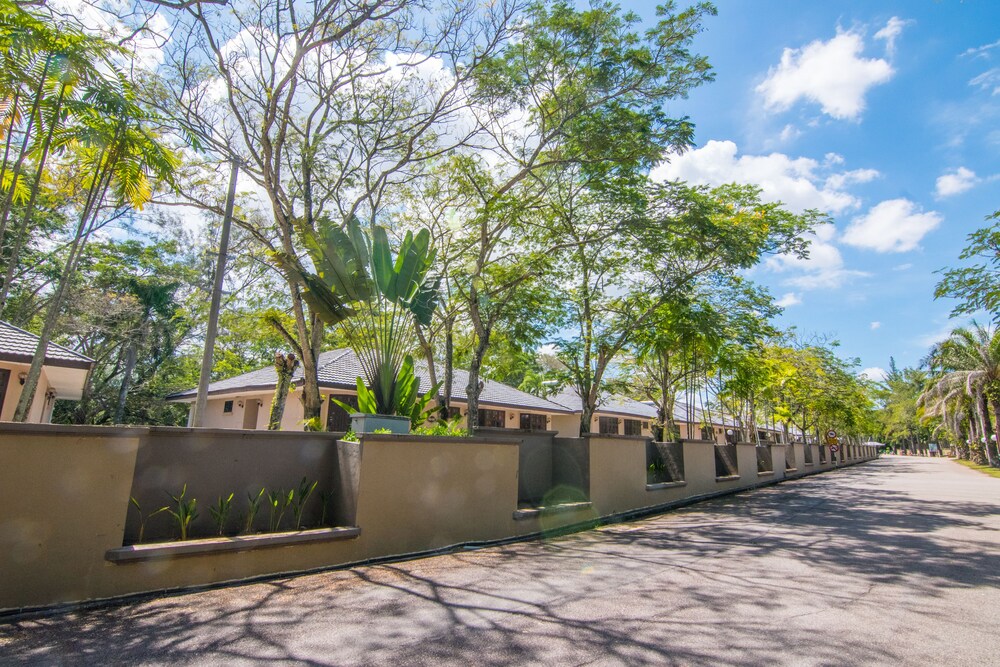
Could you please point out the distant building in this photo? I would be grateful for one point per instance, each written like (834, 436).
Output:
(244, 401)
(64, 374)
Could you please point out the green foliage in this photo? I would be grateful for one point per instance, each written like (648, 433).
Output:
(299, 499)
(976, 287)
(253, 508)
(186, 511)
(382, 431)
(144, 518)
(454, 428)
(220, 512)
(351, 436)
(278, 503)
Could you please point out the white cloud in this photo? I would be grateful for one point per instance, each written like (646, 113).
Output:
(955, 182)
(824, 268)
(838, 181)
(788, 133)
(800, 183)
(981, 51)
(892, 30)
(903, 267)
(875, 374)
(875, 325)
(832, 74)
(788, 300)
(988, 80)
(894, 225)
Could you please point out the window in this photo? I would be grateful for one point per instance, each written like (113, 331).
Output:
(227, 407)
(338, 420)
(607, 425)
(491, 418)
(633, 427)
(454, 413)
(530, 422)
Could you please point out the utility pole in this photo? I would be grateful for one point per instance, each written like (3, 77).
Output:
(198, 416)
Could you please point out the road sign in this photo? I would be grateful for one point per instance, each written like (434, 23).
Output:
(834, 448)
(831, 437)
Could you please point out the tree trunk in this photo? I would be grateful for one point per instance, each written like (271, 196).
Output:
(428, 350)
(95, 195)
(284, 366)
(985, 428)
(16, 171)
(24, 230)
(208, 354)
(130, 361)
(312, 404)
(473, 388)
(449, 365)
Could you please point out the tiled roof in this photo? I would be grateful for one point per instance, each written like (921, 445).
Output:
(340, 369)
(19, 345)
(617, 405)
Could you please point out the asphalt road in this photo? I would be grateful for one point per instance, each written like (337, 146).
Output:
(895, 562)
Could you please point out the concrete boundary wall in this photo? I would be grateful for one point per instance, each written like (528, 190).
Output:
(66, 523)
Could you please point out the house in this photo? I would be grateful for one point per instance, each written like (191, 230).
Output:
(64, 374)
(244, 401)
(615, 415)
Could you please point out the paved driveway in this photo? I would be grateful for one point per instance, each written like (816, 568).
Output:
(892, 562)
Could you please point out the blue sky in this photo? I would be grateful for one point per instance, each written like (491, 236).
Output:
(885, 114)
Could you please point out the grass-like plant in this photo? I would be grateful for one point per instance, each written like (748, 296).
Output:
(351, 436)
(186, 512)
(220, 512)
(143, 518)
(299, 500)
(253, 509)
(278, 502)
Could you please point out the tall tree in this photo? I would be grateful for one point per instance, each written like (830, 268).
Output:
(329, 107)
(578, 88)
(969, 360)
(976, 287)
(682, 233)
(116, 156)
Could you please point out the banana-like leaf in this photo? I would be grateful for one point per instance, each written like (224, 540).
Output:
(382, 265)
(413, 263)
(422, 408)
(323, 301)
(426, 300)
(406, 387)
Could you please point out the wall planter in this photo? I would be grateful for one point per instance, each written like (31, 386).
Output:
(365, 423)
(214, 545)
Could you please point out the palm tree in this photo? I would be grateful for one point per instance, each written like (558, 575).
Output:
(45, 68)
(967, 364)
(116, 154)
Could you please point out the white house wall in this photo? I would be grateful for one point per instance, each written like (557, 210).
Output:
(41, 410)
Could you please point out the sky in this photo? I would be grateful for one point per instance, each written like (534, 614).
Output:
(884, 114)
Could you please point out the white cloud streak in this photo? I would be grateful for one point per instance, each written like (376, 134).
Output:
(788, 300)
(956, 182)
(832, 74)
(894, 225)
(801, 183)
